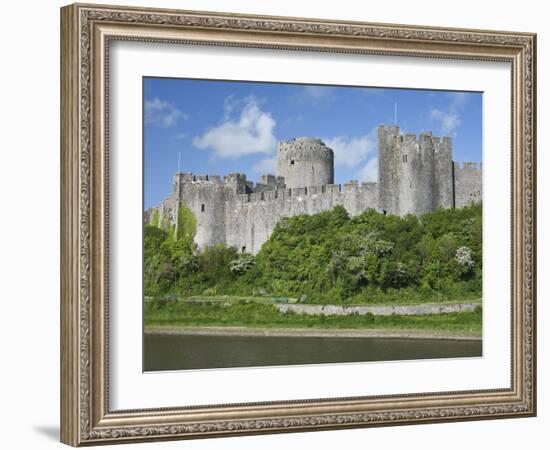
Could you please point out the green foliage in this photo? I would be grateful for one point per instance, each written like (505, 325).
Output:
(187, 225)
(242, 264)
(169, 258)
(158, 272)
(155, 222)
(330, 258)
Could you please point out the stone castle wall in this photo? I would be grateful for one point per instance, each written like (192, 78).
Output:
(251, 218)
(467, 184)
(416, 175)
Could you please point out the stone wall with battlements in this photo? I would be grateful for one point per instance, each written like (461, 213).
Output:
(468, 186)
(251, 218)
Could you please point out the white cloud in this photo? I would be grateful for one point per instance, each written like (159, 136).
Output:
(162, 113)
(229, 105)
(448, 120)
(250, 133)
(350, 152)
(267, 166)
(369, 171)
(458, 99)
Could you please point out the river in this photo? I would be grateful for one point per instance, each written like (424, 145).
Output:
(180, 352)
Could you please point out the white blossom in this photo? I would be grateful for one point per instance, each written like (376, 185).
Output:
(463, 257)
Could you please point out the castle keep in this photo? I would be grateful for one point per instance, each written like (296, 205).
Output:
(415, 175)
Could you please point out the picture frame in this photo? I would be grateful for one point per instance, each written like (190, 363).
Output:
(87, 32)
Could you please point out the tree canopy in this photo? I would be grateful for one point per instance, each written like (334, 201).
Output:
(328, 257)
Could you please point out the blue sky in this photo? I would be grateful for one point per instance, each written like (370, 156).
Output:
(219, 127)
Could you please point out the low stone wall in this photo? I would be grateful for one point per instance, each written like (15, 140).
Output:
(401, 310)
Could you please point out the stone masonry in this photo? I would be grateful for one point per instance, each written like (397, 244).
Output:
(415, 176)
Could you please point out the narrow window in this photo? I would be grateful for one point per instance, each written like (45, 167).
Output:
(243, 249)
(404, 158)
(305, 191)
(202, 207)
(291, 162)
(262, 196)
(206, 177)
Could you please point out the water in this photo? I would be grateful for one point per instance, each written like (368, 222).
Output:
(179, 352)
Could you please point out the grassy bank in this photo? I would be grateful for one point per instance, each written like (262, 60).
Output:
(262, 315)
(403, 301)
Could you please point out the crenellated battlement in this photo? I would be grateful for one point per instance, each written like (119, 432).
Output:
(306, 147)
(233, 181)
(409, 141)
(470, 167)
(309, 191)
(186, 178)
(416, 174)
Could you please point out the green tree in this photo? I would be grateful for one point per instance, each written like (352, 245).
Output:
(158, 270)
(187, 225)
(155, 221)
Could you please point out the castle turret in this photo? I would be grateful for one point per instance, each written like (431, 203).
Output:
(305, 162)
(407, 169)
(388, 157)
(205, 196)
(444, 189)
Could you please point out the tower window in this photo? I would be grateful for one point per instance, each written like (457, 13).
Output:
(291, 162)
(202, 207)
(404, 158)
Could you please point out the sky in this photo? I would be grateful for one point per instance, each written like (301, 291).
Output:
(218, 127)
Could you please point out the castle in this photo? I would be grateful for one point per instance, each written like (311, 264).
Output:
(415, 176)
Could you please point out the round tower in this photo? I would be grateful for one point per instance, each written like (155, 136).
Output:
(305, 162)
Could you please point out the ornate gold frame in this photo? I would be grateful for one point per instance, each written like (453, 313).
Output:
(86, 31)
